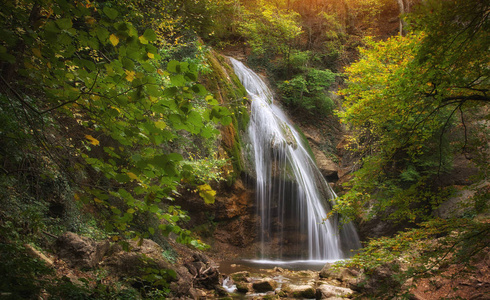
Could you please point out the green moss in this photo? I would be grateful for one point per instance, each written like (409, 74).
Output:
(240, 276)
(305, 142)
(242, 288)
(226, 87)
(308, 293)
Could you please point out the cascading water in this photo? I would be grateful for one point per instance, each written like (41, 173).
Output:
(293, 198)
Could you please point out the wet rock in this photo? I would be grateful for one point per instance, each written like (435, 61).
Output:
(242, 276)
(326, 291)
(243, 287)
(264, 285)
(80, 252)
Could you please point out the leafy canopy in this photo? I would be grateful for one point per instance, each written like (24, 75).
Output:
(411, 101)
(88, 63)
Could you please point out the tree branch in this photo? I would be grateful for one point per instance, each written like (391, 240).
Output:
(473, 97)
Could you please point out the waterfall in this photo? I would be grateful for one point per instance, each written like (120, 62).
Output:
(292, 196)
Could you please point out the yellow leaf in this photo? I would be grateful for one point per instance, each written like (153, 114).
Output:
(97, 200)
(129, 75)
(92, 140)
(114, 39)
(207, 193)
(89, 20)
(36, 52)
(132, 175)
(160, 125)
(159, 71)
(143, 40)
(29, 65)
(76, 197)
(150, 55)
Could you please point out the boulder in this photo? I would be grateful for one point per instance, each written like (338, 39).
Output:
(326, 291)
(327, 167)
(380, 280)
(242, 276)
(80, 252)
(301, 291)
(264, 285)
(197, 294)
(341, 274)
(243, 287)
(132, 264)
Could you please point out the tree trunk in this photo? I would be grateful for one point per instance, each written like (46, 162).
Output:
(403, 6)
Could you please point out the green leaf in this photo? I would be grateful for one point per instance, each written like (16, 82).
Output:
(150, 35)
(148, 67)
(153, 208)
(64, 23)
(153, 90)
(173, 66)
(170, 92)
(111, 13)
(102, 34)
(7, 57)
(177, 80)
(122, 178)
(191, 76)
(210, 100)
(199, 89)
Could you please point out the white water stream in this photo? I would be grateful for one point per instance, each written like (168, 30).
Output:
(293, 198)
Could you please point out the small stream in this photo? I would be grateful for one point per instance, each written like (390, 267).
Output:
(261, 279)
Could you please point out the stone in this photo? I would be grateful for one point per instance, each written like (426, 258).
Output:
(241, 276)
(243, 287)
(264, 285)
(301, 291)
(80, 252)
(326, 291)
(341, 274)
(457, 205)
(381, 278)
(197, 294)
(327, 167)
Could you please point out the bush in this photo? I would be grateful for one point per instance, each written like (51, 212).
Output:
(308, 91)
